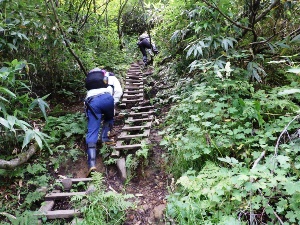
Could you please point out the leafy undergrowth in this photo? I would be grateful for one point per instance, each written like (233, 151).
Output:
(235, 152)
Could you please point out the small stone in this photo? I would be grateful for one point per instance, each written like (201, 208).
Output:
(67, 183)
(139, 195)
(158, 211)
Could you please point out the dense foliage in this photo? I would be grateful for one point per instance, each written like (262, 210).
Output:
(229, 69)
(233, 134)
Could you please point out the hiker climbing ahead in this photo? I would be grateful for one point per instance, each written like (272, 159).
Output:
(144, 44)
(103, 92)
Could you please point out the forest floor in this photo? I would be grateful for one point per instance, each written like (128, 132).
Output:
(149, 185)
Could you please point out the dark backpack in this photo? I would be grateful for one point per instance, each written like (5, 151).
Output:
(96, 79)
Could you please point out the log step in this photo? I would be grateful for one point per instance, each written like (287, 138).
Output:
(142, 107)
(130, 128)
(127, 147)
(134, 82)
(135, 87)
(140, 113)
(62, 214)
(132, 136)
(133, 92)
(132, 100)
(54, 196)
(132, 96)
(139, 120)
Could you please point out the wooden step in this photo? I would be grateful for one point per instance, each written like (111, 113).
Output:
(132, 100)
(77, 180)
(135, 87)
(138, 120)
(140, 113)
(54, 196)
(130, 128)
(142, 107)
(134, 83)
(63, 214)
(132, 136)
(128, 147)
(132, 96)
(134, 80)
(133, 92)
(134, 77)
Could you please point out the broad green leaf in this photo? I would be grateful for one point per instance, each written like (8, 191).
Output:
(4, 122)
(6, 91)
(28, 136)
(38, 140)
(294, 70)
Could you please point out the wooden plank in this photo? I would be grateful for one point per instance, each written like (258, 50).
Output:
(128, 147)
(134, 87)
(142, 107)
(132, 96)
(63, 214)
(140, 113)
(135, 83)
(134, 76)
(131, 136)
(77, 180)
(133, 92)
(139, 120)
(129, 128)
(134, 80)
(53, 196)
(132, 100)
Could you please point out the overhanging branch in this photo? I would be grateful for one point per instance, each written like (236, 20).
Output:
(227, 17)
(21, 158)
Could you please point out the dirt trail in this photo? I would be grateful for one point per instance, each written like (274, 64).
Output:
(149, 185)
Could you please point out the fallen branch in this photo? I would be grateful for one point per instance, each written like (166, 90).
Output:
(21, 158)
(8, 215)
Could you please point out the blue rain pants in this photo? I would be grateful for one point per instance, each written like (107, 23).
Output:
(101, 105)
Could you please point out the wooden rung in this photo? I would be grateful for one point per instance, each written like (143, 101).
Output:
(127, 147)
(53, 196)
(133, 92)
(131, 136)
(142, 107)
(62, 214)
(134, 77)
(138, 120)
(134, 87)
(132, 100)
(136, 95)
(129, 128)
(134, 80)
(140, 113)
(135, 83)
(77, 180)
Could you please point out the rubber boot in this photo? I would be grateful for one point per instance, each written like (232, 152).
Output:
(155, 49)
(91, 152)
(105, 129)
(145, 60)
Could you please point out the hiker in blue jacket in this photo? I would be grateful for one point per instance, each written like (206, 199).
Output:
(103, 92)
